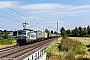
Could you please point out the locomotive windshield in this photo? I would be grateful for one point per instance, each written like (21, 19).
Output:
(21, 32)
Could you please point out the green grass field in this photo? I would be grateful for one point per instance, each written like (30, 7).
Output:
(53, 46)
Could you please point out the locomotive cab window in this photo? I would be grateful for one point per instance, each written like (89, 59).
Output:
(21, 32)
(24, 32)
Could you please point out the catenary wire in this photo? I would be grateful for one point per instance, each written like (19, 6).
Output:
(28, 13)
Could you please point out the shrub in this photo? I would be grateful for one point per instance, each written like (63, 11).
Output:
(6, 35)
(49, 54)
(70, 45)
(70, 56)
(5, 41)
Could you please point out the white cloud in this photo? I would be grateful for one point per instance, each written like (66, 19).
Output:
(49, 8)
(29, 17)
(71, 12)
(52, 8)
(81, 7)
(7, 4)
(44, 6)
(40, 12)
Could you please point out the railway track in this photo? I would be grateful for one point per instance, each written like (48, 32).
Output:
(20, 52)
(9, 48)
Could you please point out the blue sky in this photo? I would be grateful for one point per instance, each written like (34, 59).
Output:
(41, 14)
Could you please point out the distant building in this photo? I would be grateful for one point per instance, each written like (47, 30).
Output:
(10, 33)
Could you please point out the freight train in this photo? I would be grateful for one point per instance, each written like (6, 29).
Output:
(28, 36)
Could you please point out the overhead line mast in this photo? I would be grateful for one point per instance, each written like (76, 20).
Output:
(24, 25)
(57, 27)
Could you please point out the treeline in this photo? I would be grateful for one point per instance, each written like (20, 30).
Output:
(76, 32)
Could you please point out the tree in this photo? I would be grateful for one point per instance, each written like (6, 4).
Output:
(61, 30)
(52, 32)
(88, 31)
(55, 32)
(88, 27)
(76, 31)
(6, 35)
(47, 31)
(68, 32)
(72, 33)
(84, 32)
(80, 30)
(64, 35)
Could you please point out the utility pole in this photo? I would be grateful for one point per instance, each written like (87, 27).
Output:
(57, 27)
(43, 29)
(24, 25)
(57, 32)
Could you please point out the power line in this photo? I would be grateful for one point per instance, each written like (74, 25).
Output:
(33, 25)
(21, 9)
(26, 12)
(11, 10)
(53, 27)
(12, 15)
(8, 18)
(15, 11)
(20, 13)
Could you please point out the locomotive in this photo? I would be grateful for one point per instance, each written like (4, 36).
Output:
(28, 36)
